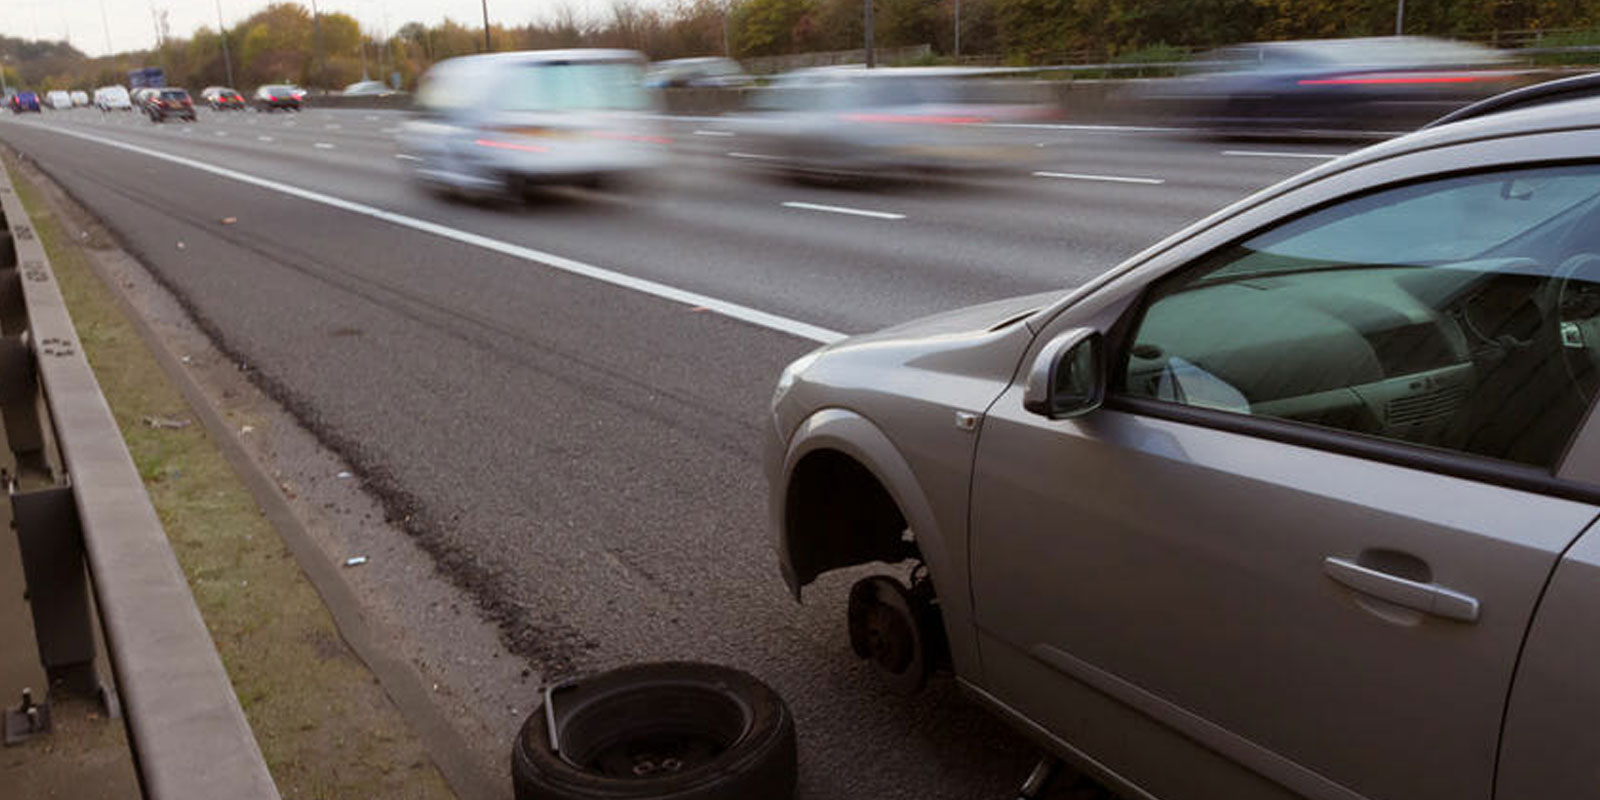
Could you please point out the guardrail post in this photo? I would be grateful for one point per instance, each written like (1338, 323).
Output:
(58, 591)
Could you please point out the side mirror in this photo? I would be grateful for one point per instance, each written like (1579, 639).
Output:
(1067, 378)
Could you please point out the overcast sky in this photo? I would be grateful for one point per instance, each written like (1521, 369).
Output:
(129, 25)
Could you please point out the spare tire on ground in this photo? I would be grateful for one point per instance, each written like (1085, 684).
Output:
(666, 731)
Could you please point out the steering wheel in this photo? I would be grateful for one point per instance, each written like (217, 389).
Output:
(1577, 313)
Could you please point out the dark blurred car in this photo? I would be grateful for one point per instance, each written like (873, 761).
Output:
(1382, 83)
(25, 101)
(170, 102)
(222, 98)
(708, 72)
(274, 96)
(902, 121)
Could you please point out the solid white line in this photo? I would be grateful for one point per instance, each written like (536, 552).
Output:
(859, 212)
(406, 157)
(753, 316)
(1105, 178)
(1277, 154)
(713, 133)
(264, 138)
(323, 146)
(756, 156)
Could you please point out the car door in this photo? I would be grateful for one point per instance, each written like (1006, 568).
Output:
(1296, 552)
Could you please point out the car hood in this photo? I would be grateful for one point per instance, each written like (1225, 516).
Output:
(972, 319)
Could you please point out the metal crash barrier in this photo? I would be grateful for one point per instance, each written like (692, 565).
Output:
(77, 500)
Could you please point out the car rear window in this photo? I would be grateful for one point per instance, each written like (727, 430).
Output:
(174, 94)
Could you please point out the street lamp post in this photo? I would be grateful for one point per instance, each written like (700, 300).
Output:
(222, 30)
(958, 29)
(316, 37)
(486, 47)
(872, 60)
(1400, 18)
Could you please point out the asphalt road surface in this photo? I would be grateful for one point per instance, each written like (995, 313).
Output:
(577, 450)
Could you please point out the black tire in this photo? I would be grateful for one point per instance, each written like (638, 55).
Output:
(667, 731)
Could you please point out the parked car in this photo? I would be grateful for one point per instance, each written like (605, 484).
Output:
(169, 102)
(274, 96)
(112, 98)
(1298, 502)
(24, 101)
(496, 123)
(894, 121)
(58, 100)
(367, 89)
(222, 98)
(1378, 83)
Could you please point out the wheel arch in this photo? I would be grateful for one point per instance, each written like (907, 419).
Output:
(838, 450)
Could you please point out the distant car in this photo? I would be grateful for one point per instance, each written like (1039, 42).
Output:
(707, 72)
(142, 95)
(1297, 497)
(58, 99)
(222, 98)
(1379, 83)
(112, 98)
(496, 123)
(24, 101)
(79, 98)
(274, 96)
(892, 122)
(169, 102)
(367, 89)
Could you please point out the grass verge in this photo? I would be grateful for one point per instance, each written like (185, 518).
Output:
(324, 724)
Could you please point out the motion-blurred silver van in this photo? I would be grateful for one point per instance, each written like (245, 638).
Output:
(501, 122)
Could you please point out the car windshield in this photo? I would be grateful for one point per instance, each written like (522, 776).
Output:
(572, 86)
(174, 94)
(1472, 217)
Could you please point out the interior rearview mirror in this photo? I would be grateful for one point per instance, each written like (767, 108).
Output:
(1067, 378)
(1516, 189)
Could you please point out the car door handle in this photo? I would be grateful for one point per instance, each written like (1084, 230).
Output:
(1426, 597)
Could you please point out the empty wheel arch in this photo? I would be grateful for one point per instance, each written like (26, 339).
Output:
(839, 514)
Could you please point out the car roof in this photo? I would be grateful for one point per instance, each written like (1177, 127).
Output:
(571, 54)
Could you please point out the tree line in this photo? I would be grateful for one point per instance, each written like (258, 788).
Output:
(285, 43)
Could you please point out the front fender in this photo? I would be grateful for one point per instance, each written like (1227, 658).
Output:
(942, 549)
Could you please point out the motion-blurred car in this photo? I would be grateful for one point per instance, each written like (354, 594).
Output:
(112, 98)
(1383, 83)
(169, 102)
(274, 96)
(222, 98)
(904, 121)
(23, 102)
(58, 100)
(142, 95)
(79, 98)
(367, 89)
(1288, 505)
(707, 72)
(497, 123)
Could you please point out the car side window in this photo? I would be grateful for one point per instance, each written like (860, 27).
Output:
(1461, 314)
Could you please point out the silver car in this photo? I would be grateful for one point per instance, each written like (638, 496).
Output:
(1296, 503)
(496, 123)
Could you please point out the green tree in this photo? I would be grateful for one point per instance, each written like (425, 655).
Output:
(766, 27)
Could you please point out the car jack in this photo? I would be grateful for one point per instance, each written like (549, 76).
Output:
(1043, 772)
